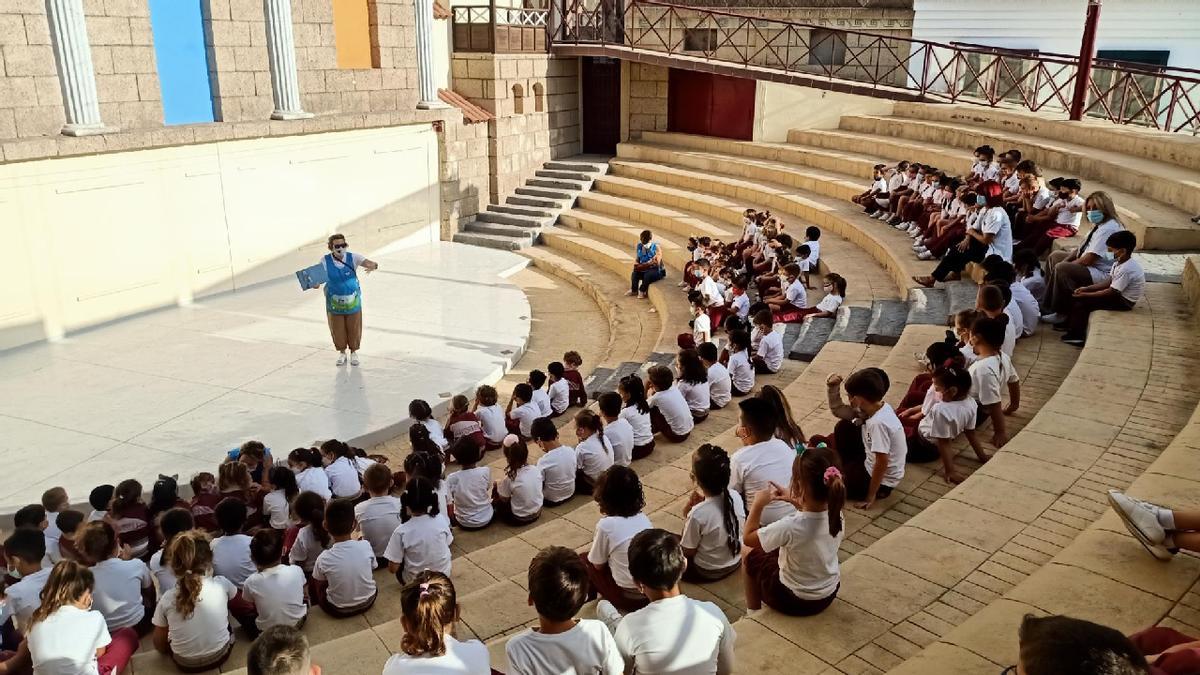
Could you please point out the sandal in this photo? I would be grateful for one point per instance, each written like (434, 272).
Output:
(927, 282)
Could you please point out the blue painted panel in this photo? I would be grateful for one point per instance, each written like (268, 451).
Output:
(182, 61)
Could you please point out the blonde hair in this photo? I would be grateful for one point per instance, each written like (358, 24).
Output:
(233, 476)
(1104, 204)
(67, 583)
(190, 557)
(428, 605)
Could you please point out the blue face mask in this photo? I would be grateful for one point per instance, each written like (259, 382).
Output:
(980, 200)
(1095, 216)
(1109, 256)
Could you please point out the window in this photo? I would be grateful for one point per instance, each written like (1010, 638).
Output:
(1136, 91)
(518, 99)
(539, 97)
(699, 39)
(826, 47)
(352, 34)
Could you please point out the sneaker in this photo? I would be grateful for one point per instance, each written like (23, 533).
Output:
(1074, 341)
(925, 255)
(341, 359)
(1052, 317)
(354, 358)
(1141, 519)
(606, 612)
(914, 231)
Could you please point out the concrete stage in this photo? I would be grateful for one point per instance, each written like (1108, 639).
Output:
(171, 391)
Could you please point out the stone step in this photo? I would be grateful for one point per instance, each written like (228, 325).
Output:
(502, 229)
(529, 212)
(609, 383)
(961, 295)
(851, 324)
(661, 359)
(813, 335)
(490, 241)
(572, 166)
(543, 192)
(563, 175)
(512, 219)
(536, 202)
(888, 318)
(557, 184)
(929, 306)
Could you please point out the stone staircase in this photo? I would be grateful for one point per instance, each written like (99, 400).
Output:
(518, 222)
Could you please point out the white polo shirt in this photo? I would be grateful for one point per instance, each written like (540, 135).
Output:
(206, 632)
(558, 473)
(704, 530)
(65, 642)
(343, 478)
(720, 387)
(610, 546)
(640, 422)
(491, 418)
(542, 400)
(989, 376)
(524, 491)
(1129, 279)
(587, 647)
(348, 566)
(883, 435)
(525, 414)
(701, 328)
(118, 591)
(770, 348)
(619, 433)
(808, 560)
(378, 518)
(995, 221)
(560, 394)
(677, 636)
(754, 467)
(674, 409)
(231, 558)
(278, 596)
(422, 543)
(314, 479)
(593, 456)
(24, 597)
(470, 490)
(696, 395)
(796, 295)
(949, 419)
(461, 658)
(741, 373)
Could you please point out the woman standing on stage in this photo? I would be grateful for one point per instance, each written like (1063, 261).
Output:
(343, 297)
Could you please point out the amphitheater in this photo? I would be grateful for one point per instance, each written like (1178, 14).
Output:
(937, 577)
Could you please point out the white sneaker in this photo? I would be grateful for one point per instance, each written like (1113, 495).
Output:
(1052, 317)
(901, 226)
(914, 231)
(606, 612)
(1142, 521)
(354, 358)
(341, 359)
(925, 255)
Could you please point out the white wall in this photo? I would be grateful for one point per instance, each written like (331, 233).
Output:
(779, 108)
(1057, 25)
(92, 239)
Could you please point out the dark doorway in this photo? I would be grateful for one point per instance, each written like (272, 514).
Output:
(711, 105)
(601, 105)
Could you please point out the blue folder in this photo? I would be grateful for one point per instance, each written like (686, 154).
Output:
(310, 277)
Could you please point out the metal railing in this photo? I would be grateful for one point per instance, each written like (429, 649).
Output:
(489, 28)
(1163, 98)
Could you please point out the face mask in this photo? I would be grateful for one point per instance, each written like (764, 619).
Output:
(980, 200)
(1095, 216)
(1064, 195)
(1109, 256)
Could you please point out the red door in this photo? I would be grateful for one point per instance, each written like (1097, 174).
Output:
(710, 105)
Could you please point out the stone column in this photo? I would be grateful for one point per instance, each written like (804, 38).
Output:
(76, 77)
(281, 52)
(425, 83)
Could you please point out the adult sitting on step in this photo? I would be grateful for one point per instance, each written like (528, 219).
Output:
(1085, 265)
(991, 233)
(648, 268)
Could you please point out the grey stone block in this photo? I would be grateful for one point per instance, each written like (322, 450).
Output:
(595, 382)
(791, 333)
(814, 333)
(928, 306)
(961, 296)
(851, 324)
(888, 318)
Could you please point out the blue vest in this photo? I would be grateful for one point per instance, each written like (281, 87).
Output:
(342, 293)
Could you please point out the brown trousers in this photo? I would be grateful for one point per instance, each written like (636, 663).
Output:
(346, 330)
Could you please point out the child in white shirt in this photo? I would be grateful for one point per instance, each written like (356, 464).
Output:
(558, 588)
(345, 477)
(560, 389)
(25, 548)
(720, 386)
(990, 373)
(593, 454)
(277, 504)
(740, 305)
(692, 382)
(1029, 273)
(769, 357)
(67, 637)
(835, 294)
(379, 516)
(470, 488)
(669, 411)
(191, 621)
(714, 518)
(636, 411)
(518, 497)
(54, 501)
(170, 523)
(811, 261)
(741, 370)
(701, 325)
(621, 500)
(124, 588)
(344, 571)
(491, 416)
(278, 592)
(884, 445)
(948, 414)
(540, 398)
(558, 464)
(421, 413)
(231, 551)
(429, 610)
(423, 541)
(617, 430)
(312, 539)
(310, 472)
(522, 411)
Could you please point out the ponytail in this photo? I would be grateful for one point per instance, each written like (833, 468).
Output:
(127, 493)
(635, 391)
(420, 496)
(67, 583)
(593, 423)
(428, 606)
(818, 473)
(310, 508)
(190, 557)
(711, 467)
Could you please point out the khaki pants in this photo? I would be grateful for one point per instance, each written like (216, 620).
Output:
(1061, 281)
(346, 330)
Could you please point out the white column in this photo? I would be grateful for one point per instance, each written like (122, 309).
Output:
(425, 81)
(281, 51)
(76, 77)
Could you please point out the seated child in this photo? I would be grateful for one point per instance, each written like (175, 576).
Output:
(429, 465)
(124, 588)
(491, 417)
(617, 430)
(540, 398)
(991, 371)
(673, 633)
(714, 517)
(423, 541)
(70, 524)
(878, 186)
(25, 548)
(379, 516)
(1029, 273)
(344, 478)
(558, 464)
(462, 422)
(636, 411)
(809, 262)
(560, 389)
(669, 412)
(257, 458)
(205, 498)
(741, 368)
(191, 621)
(991, 302)
(233, 481)
(170, 524)
(948, 414)
(621, 499)
(99, 499)
(428, 612)
(67, 636)
(281, 650)
(835, 294)
(1119, 292)
(792, 564)
(1023, 309)
(277, 504)
(1161, 530)
(720, 386)
(558, 588)
(231, 550)
(693, 383)
(164, 496)
(593, 454)
(310, 471)
(572, 361)
(422, 414)
(131, 518)
(874, 466)
(739, 306)
(470, 488)
(963, 320)
(54, 501)
(518, 497)
(344, 572)
(790, 306)
(522, 411)
(764, 459)
(768, 358)
(701, 325)
(278, 592)
(312, 538)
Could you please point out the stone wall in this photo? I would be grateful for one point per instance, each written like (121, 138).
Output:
(240, 75)
(647, 102)
(464, 174)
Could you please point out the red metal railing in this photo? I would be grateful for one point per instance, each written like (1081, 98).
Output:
(1126, 93)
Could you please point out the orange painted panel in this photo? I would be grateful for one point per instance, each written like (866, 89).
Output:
(352, 33)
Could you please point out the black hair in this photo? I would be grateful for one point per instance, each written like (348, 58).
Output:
(31, 515)
(425, 464)
(164, 494)
(231, 515)
(1122, 239)
(282, 478)
(619, 492)
(556, 369)
(543, 430)
(739, 338)
(419, 410)
(635, 393)
(812, 232)
(266, 547)
(802, 249)
(944, 353)
(759, 415)
(523, 391)
(339, 516)
(990, 331)
(1027, 259)
(867, 384)
(69, 520)
(466, 450)
(421, 440)
(986, 151)
(420, 497)
(558, 583)
(309, 457)
(26, 543)
(173, 521)
(101, 496)
(707, 351)
(691, 370)
(310, 508)
(956, 376)
(1060, 645)
(991, 297)
(609, 403)
(712, 470)
(656, 559)
(537, 379)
